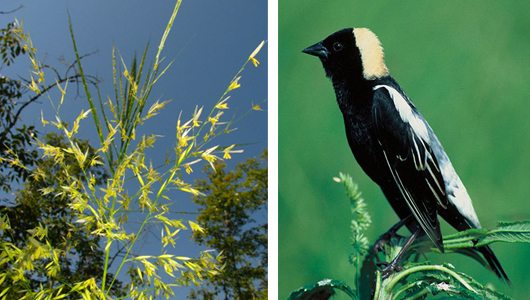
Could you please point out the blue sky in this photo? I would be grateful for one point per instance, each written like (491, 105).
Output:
(209, 43)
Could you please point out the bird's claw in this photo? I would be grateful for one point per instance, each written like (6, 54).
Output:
(390, 269)
(385, 239)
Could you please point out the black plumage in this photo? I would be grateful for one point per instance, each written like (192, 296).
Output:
(392, 142)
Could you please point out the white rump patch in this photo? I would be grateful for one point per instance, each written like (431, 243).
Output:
(458, 195)
(406, 113)
(372, 54)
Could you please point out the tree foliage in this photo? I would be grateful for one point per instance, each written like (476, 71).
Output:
(81, 255)
(17, 138)
(10, 45)
(30, 179)
(229, 205)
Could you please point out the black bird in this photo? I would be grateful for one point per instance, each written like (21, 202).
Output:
(393, 143)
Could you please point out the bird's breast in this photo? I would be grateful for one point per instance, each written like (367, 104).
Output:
(362, 142)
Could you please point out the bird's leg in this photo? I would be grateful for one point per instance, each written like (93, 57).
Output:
(393, 266)
(392, 232)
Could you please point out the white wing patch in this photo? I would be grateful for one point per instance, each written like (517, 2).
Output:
(406, 114)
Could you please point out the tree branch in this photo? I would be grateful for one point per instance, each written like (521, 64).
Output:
(12, 11)
(74, 78)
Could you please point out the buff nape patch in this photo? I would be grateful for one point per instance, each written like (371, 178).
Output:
(372, 55)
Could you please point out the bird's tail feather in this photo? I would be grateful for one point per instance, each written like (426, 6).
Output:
(494, 263)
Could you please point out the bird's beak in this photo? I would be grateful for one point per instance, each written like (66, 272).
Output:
(317, 50)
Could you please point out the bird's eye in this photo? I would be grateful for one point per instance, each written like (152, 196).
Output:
(337, 46)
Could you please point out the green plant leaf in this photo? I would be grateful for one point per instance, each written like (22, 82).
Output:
(508, 232)
(322, 290)
(419, 280)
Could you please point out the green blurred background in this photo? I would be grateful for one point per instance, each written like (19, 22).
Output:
(466, 66)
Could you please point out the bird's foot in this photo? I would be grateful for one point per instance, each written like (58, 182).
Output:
(385, 239)
(394, 266)
(391, 268)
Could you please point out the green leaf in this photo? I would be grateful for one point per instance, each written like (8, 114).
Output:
(322, 290)
(508, 232)
(423, 279)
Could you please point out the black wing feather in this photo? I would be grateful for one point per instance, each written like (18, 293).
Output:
(411, 162)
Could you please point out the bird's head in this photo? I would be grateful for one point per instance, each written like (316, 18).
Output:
(351, 52)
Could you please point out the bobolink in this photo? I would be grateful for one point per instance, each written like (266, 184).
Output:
(393, 143)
